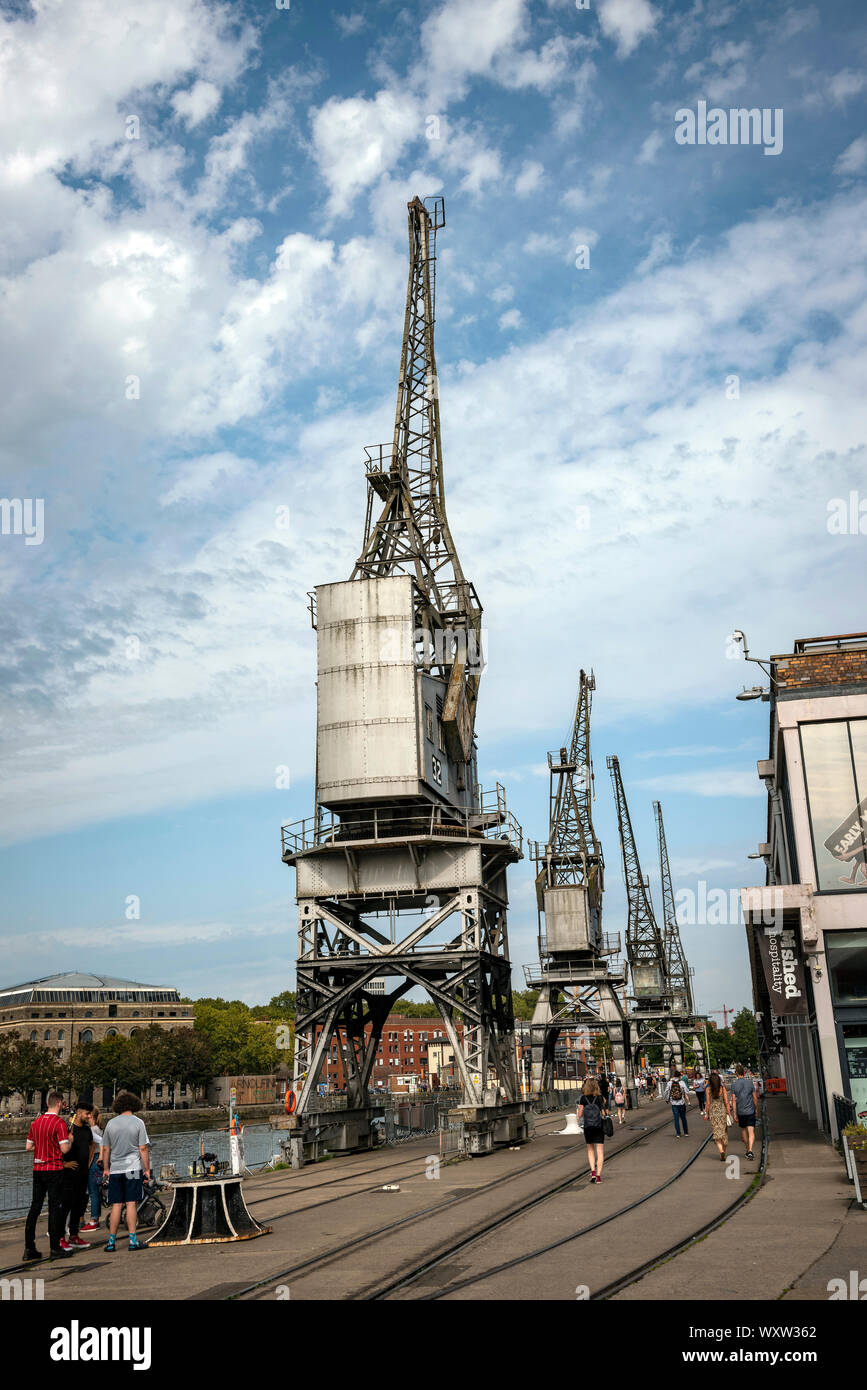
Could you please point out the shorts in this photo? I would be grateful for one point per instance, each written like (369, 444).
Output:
(594, 1136)
(621, 1104)
(125, 1187)
(747, 1121)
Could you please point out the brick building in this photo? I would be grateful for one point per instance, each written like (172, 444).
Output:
(402, 1052)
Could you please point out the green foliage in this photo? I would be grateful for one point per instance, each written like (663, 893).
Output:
(524, 1002)
(25, 1066)
(745, 1037)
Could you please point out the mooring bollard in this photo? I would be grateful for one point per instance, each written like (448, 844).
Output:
(208, 1211)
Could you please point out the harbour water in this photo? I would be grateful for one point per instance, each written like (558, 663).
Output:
(180, 1147)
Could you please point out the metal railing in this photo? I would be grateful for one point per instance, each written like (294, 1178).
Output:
(845, 1111)
(490, 820)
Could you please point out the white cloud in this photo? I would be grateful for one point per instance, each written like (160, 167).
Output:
(650, 148)
(627, 22)
(659, 253)
(511, 319)
(530, 178)
(196, 103)
(197, 477)
(846, 84)
(356, 141)
(853, 160)
(714, 783)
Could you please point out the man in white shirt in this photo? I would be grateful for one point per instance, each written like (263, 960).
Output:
(125, 1155)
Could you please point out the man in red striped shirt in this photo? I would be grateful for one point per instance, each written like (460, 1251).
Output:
(48, 1140)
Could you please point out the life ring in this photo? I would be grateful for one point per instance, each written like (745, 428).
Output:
(291, 1102)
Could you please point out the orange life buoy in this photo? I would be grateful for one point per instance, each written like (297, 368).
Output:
(291, 1102)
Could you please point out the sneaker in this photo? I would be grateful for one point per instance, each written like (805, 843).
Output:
(750, 1154)
(30, 1256)
(60, 1252)
(90, 1226)
(135, 1243)
(69, 1245)
(592, 1174)
(111, 1244)
(77, 1241)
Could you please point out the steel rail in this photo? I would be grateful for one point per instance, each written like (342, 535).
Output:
(609, 1290)
(416, 1274)
(367, 1236)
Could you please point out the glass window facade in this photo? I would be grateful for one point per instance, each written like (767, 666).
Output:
(835, 769)
(846, 952)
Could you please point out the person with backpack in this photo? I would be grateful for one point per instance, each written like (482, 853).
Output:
(675, 1094)
(620, 1099)
(592, 1110)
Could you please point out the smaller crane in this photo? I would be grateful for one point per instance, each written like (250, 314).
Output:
(725, 1011)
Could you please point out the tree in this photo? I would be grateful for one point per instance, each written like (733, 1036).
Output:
(745, 1038)
(524, 1002)
(26, 1066)
(281, 1006)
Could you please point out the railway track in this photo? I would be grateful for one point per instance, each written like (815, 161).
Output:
(317, 1261)
(607, 1291)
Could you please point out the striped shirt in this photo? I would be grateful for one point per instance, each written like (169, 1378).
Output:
(45, 1135)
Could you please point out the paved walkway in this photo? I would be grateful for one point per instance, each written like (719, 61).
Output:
(800, 1230)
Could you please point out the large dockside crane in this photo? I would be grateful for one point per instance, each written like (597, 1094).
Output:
(678, 969)
(659, 1004)
(577, 993)
(402, 835)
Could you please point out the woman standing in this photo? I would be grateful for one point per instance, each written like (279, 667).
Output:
(591, 1111)
(717, 1109)
(94, 1177)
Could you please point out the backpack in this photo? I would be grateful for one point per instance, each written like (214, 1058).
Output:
(676, 1092)
(620, 1095)
(592, 1113)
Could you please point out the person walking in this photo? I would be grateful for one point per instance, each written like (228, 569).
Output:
(717, 1109)
(76, 1171)
(48, 1140)
(675, 1094)
(620, 1099)
(744, 1091)
(604, 1086)
(94, 1176)
(699, 1085)
(592, 1110)
(125, 1155)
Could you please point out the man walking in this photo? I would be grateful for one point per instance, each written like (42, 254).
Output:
(48, 1140)
(675, 1094)
(125, 1155)
(744, 1091)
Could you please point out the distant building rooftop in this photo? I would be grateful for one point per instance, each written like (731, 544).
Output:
(74, 985)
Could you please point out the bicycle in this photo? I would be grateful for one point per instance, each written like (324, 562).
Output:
(150, 1211)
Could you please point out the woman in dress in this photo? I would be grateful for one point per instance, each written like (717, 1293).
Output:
(592, 1110)
(717, 1109)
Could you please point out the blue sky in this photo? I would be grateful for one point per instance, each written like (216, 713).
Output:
(201, 327)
